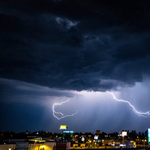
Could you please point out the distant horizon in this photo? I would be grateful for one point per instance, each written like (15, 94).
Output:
(60, 131)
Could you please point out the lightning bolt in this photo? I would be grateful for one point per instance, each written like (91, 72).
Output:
(60, 113)
(139, 113)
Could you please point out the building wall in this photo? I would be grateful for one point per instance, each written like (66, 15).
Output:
(7, 146)
(45, 146)
(35, 146)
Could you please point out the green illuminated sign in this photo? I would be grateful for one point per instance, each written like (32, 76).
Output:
(149, 135)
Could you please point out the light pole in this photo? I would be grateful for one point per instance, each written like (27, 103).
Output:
(122, 139)
(124, 133)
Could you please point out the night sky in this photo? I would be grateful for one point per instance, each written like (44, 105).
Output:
(76, 52)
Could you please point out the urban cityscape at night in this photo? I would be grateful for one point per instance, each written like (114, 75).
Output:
(82, 64)
(74, 140)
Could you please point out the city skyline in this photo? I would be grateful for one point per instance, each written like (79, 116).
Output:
(81, 63)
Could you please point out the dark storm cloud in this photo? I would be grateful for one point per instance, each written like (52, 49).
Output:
(77, 45)
(10, 88)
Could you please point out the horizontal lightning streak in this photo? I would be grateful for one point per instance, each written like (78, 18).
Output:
(143, 114)
(60, 113)
(139, 113)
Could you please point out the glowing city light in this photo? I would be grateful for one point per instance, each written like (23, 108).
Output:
(63, 127)
(143, 114)
(60, 113)
(148, 135)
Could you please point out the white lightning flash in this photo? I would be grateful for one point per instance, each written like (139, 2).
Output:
(60, 113)
(143, 114)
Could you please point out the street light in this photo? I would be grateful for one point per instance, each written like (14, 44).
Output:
(42, 147)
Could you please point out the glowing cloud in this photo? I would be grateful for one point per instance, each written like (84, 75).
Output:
(56, 114)
(60, 113)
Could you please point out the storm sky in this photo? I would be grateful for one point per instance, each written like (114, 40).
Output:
(75, 50)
